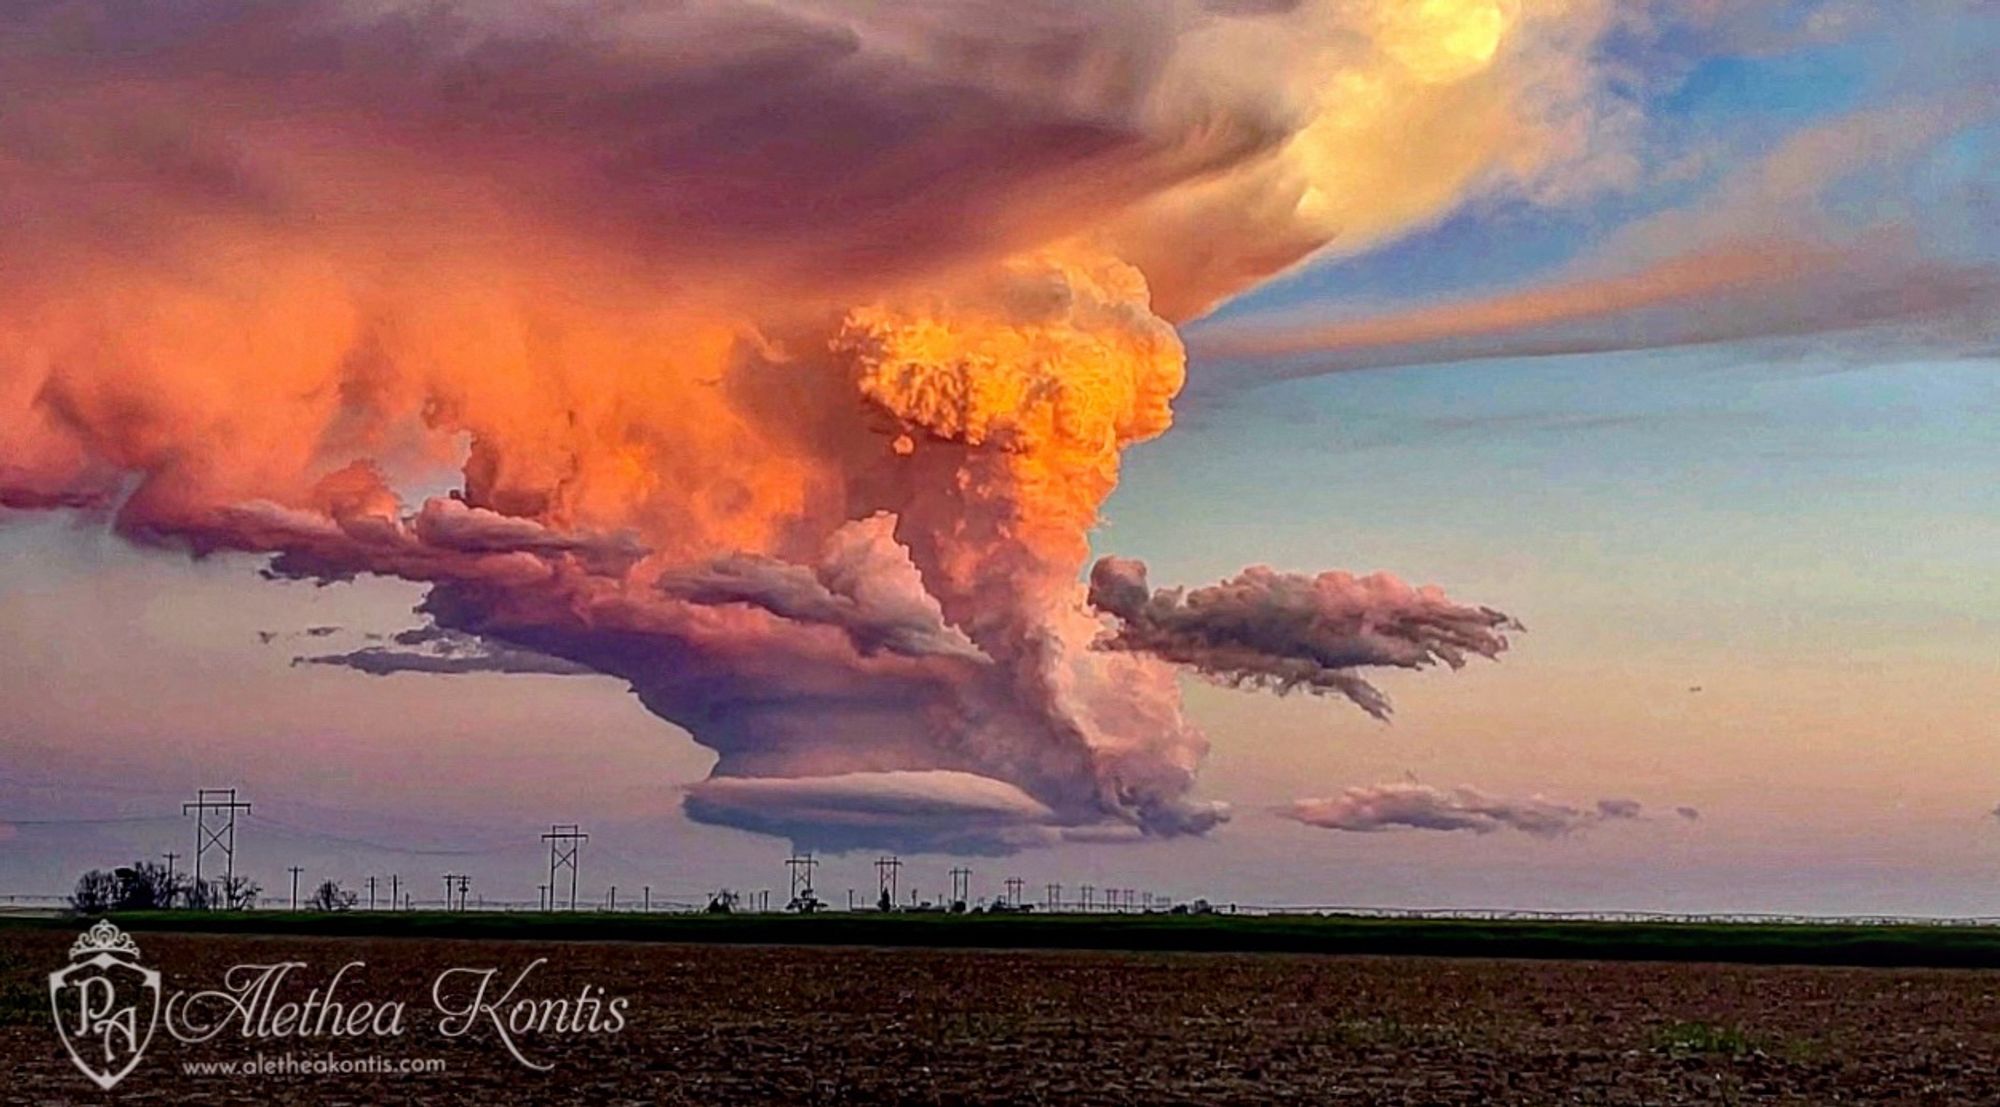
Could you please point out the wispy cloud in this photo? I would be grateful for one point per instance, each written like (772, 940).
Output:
(1764, 254)
(435, 650)
(1406, 805)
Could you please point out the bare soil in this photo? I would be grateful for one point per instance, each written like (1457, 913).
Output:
(772, 1025)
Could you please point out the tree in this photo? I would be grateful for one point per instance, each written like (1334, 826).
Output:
(330, 896)
(885, 903)
(148, 886)
(236, 893)
(95, 892)
(722, 903)
(239, 893)
(140, 886)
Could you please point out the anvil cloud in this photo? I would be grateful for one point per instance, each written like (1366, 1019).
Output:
(785, 353)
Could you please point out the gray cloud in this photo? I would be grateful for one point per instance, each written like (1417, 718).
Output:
(916, 811)
(445, 652)
(1289, 631)
(863, 583)
(1404, 805)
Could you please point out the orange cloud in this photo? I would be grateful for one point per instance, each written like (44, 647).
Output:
(689, 291)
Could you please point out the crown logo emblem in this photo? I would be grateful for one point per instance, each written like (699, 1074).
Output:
(105, 1004)
(103, 938)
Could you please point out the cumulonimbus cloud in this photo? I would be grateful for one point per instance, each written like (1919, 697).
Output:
(785, 351)
(1289, 631)
(1404, 805)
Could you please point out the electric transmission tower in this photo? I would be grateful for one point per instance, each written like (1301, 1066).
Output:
(214, 811)
(801, 867)
(565, 842)
(886, 869)
(961, 885)
(1014, 886)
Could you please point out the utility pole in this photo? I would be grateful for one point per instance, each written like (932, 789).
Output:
(464, 884)
(295, 870)
(170, 855)
(1055, 896)
(800, 867)
(1014, 886)
(1086, 892)
(393, 877)
(449, 880)
(612, 900)
(961, 885)
(371, 893)
(565, 842)
(886, 870)
(218, 834)
(646, 899)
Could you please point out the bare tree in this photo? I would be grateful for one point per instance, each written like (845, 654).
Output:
(330, 896)
(237, 893)
(140, 886)
(95, 892)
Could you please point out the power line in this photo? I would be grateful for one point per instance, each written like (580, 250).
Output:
(108, 820)
(365, 843)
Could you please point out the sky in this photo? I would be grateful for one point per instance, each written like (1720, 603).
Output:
(1660, 338)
